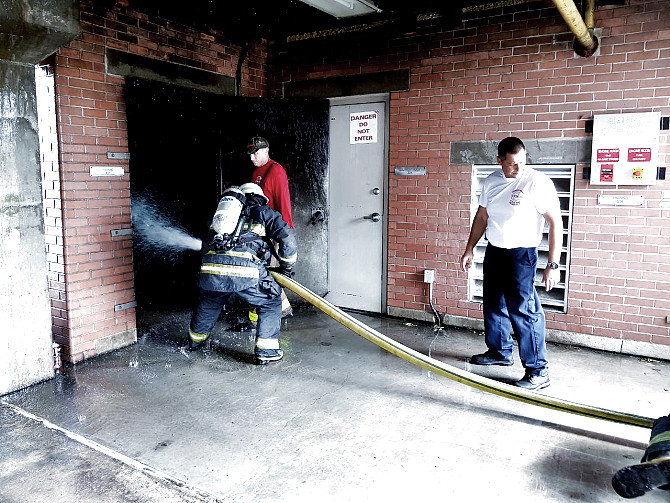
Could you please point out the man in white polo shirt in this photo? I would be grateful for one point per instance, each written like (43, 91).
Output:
(514, 204)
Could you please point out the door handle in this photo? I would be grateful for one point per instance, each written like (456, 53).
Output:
(317, 217)
(375, 217)
(376, 191)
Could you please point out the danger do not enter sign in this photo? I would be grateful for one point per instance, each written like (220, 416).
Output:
(362, 127)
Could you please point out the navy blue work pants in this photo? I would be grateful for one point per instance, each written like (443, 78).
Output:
(511, 303)
(267, 303)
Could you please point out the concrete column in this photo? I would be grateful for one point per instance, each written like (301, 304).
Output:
(29, 31)
(25, 314)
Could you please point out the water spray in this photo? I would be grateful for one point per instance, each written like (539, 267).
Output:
(155, 230)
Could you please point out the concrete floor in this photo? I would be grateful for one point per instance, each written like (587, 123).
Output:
(339, 419)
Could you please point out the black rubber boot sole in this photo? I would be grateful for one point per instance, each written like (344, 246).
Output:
(636, 480)
(195, 346)
(260, 359)
(265, 361)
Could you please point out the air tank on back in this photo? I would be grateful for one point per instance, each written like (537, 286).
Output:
(228, 211)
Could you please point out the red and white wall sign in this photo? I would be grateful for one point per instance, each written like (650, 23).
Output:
(625, 148)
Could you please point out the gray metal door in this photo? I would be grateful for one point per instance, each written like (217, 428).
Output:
(357, 201)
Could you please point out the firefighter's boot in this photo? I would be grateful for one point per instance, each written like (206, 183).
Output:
(636, 480)
(286, 308)
(653, 472)
(196, 340)
(247, 325)
(267, 350)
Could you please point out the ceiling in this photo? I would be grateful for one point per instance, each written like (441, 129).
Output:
(287, 21)
(277, 20)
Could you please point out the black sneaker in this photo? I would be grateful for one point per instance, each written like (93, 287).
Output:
(491, 358)
(533, 381)
(636, 480)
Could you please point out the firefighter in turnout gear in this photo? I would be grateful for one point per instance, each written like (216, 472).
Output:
(235, 258)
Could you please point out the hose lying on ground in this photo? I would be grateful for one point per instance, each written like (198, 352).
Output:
(454, 373)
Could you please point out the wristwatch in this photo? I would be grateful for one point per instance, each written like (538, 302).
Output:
(552, 265)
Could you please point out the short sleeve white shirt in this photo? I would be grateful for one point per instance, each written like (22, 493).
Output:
(515, 207)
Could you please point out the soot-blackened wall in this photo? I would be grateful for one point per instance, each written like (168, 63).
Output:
(186, 146)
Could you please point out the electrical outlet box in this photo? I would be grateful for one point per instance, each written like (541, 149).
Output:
(428, 276)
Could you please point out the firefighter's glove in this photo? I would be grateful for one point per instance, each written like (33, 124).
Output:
(217, 243)
(255, 200)
(285, 270)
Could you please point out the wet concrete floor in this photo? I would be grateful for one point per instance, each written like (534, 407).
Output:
(338, 419)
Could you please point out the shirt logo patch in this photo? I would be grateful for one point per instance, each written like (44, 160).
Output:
(515, 199)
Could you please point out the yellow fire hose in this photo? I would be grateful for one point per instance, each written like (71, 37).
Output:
(454, 373)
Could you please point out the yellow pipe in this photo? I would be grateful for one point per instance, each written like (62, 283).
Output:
(589, 18)
(454, 373)
(574, 20)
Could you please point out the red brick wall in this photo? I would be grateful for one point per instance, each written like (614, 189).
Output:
(513, 71)
(98, 270)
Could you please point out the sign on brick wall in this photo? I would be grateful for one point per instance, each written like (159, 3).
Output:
(362, 127)
(625, 148)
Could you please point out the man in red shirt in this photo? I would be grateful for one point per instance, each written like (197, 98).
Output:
(271, 177)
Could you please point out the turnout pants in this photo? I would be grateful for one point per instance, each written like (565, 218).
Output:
(268, 308)
(659, 442)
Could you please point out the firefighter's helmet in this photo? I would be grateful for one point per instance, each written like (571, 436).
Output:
(252, 188)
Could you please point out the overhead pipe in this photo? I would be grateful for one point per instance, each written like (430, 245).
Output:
(586, 43)
(238, 72)
(454, 373)
(589, 18)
